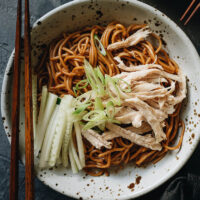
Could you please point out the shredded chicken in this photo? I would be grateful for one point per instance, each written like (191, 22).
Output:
(152, 115)
(145, 141)
(144, 128)
(134, 68)
(128, 115)
(131, 40)
(153, 97)
(130, 77)
(95, 139)
(109, 135)
(149, 100)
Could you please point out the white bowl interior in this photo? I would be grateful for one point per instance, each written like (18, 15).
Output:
(74, 16)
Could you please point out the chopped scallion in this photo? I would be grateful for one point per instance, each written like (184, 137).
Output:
(81, 87)
(128, 90)
(81, 108)
(98, 104)
(110, 109)
(99, 45)
(111, 85)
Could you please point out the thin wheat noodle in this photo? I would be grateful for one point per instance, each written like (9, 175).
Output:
(62, 67)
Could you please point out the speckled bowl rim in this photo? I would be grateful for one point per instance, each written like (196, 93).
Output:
(154, 11)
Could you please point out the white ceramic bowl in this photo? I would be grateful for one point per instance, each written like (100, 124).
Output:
(74, 16)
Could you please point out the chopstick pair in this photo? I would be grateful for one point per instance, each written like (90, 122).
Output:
(188, 9)
(29, 165)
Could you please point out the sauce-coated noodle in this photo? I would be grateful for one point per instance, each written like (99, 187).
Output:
(62, 67)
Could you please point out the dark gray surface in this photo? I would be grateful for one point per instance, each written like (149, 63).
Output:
(173, 9)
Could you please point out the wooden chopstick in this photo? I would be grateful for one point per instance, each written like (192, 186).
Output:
(29, 166)
(193, 12)
(188, 9)
(13, 193)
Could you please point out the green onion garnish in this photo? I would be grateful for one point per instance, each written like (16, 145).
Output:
(94, 77)
(100, 75)
(75, 91)
(128, 90)
(98, 104)
(110, 110)
(94, 118)
(99, 45)
(81, 108)
(82, 87)
(94, 115)
(110, 82)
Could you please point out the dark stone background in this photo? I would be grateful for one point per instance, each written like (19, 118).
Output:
(174, 9)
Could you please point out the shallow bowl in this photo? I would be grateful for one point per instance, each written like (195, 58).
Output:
(74, 16)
